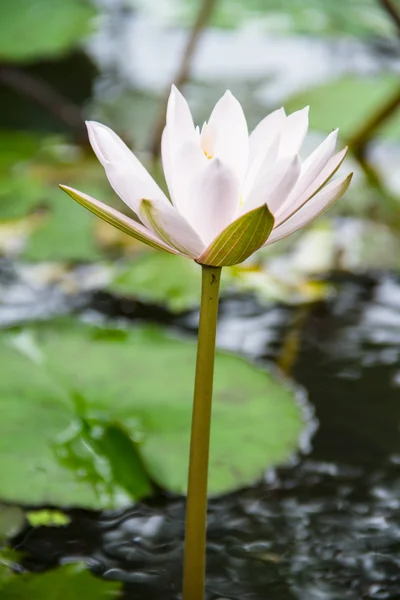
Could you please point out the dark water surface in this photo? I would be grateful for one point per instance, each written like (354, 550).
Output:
(326, 527)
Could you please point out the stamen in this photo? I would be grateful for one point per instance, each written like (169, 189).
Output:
(207, 140)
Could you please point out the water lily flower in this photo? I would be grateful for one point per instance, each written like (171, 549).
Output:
(230, 192)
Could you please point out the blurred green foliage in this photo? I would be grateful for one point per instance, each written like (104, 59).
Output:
(30, 30)
(313, 17)
(348, 102)
(68, 582)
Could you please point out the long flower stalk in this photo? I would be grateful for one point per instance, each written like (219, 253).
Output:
(196, 506)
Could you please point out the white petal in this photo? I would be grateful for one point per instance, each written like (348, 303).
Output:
(179, 119)
(118, 220)
(264, 134)
(314, 164)
(215, 203)
(228, 123)
(293, 132)
(207, 140)
(166, 159)
(274, 186)
(294, 203)
(185, 166)
(317, 205)
(127, 176)
(170, 226)
(263, 163)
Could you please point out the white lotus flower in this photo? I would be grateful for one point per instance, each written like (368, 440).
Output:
(230, 193)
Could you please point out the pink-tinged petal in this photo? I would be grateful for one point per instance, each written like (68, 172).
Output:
(273, 187)
(293, 204)
(127, 176)
(317, 205)
(214, 200)
(118, 220)
(179, 119)
(228, 124)
(293, 132)
(170, 226)
(240, 239)
(314, 164)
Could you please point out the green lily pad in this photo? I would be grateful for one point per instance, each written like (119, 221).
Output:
(47, 518)
(90, 414)
(161, 278)
(31, 30)
(65, 583)
(12, 519)
(30, 168)
(66, 233)
(348, 102)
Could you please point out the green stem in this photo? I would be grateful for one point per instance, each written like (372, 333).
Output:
(196, 506)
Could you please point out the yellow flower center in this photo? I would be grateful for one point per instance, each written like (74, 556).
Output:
(207, 141)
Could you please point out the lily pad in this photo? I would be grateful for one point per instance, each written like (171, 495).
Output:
(91, 413)
(160, 278)
(65, 232)
(31, 30)
(348, 102)
(65, 583)
(47, 518)
(32, 204)
(12, 519)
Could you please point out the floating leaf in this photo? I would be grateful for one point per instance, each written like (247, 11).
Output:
(160, 278)
(64, 233)
(47, 518)
(69, 582)
(87, 409)
(31, 30)
(12, 520)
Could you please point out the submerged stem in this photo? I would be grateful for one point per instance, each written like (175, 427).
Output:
(196, 505)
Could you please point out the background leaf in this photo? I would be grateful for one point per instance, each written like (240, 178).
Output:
(347, 102)
(69, 582)
(31, 30)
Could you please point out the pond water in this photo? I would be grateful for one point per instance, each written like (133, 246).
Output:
(325, 527)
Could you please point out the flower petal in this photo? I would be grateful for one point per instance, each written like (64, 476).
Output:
(229, 125)
(171, 227)
(214, 200)
(185, 166)
(166, 159)
(240, 239)
(264, 134)
(118, 220)
(263, 162)
(293, 132)
(127, 176)
(288, 208)
(317, 205)
(314, 164)
(274, 186)
(179, 119)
